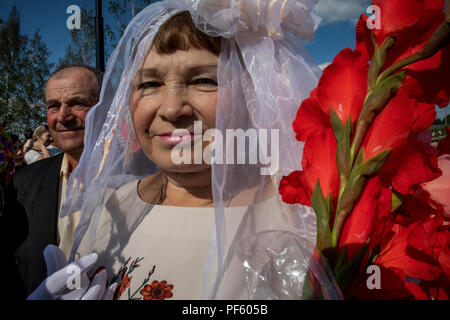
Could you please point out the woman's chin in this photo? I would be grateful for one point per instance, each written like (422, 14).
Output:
(169, 163)
(186, 168)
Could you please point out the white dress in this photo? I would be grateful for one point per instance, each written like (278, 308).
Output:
(165, 255)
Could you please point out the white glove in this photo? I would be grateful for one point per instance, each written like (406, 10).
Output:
(69, 282)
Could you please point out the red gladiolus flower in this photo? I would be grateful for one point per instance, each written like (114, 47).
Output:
(342, 88)
(393, 285)
(439, 189)
(409, 164)
(444, 145)
(423, 76)
(418, 206)
(424, 117)
(298, 186)
(411, 28)
(391, 127)
(438, 289)
(400, 15)
(407, 250)
(310, 120)
(373, 207)
(411, 244)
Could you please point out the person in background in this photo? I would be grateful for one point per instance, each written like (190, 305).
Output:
(19, 160)
(36, 192)
(6, 165)
(434, 142)
(53, 148)
(28, 140)
(41, 140)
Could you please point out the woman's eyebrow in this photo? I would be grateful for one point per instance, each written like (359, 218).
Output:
(203, 69)
(147, 72)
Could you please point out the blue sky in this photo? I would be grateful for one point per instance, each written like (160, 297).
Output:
(50, 17)
(336, 32)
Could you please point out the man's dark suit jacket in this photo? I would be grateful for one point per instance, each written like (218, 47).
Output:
(28, 225)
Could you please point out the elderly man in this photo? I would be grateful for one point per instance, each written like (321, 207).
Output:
(31, 219)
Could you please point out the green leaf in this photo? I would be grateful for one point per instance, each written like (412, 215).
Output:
(360, 157)
(344, 276)
(343, 135)
(308, 288)
(377, 99)
(378, 61)
(336, 124)
(354, 188)
(357, 178)
(322, 209)
(397, 201)
(329, 203)
(341, 260)
(374, 164)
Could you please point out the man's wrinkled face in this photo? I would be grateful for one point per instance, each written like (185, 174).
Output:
(69, 95)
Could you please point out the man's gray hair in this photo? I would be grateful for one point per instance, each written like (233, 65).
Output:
(98, 75)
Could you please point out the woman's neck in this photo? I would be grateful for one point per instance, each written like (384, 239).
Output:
(178, 189)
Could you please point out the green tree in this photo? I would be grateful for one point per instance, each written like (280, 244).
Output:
(24, 67)
(11, 45)
(123, 11)
(81, 50)
(36, 70)
(438, 122)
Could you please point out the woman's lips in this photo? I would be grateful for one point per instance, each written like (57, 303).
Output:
(176, 138)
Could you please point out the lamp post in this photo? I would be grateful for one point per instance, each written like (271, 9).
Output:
(99, 38)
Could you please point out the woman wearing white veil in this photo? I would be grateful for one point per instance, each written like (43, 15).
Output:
(215, 228)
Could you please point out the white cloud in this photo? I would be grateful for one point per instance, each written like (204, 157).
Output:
(341, 10)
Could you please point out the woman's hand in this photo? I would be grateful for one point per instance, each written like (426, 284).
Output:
(69, 282)
(37, 145)
(28, 145)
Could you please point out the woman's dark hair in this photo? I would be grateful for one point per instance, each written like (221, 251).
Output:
(180, 33)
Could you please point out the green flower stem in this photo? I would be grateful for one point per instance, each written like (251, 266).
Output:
(337, 226)
(361, 129)
(378, 60)
(439, 40)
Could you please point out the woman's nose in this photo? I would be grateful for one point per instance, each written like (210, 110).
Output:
(175, 106)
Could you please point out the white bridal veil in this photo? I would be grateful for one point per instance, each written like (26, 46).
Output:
(263, 75)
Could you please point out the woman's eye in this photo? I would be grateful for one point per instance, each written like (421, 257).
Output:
(205, 81)
(148, 85)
